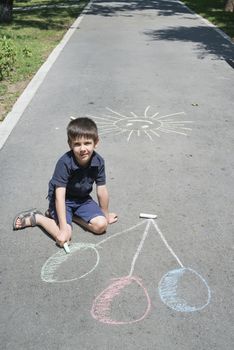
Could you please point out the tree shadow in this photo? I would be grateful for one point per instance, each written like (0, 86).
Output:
(207, 40)
(44, 19)
(117, 8)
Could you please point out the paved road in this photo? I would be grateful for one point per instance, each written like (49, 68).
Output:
(156, 79)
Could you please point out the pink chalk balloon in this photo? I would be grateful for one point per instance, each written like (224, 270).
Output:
(101, 308)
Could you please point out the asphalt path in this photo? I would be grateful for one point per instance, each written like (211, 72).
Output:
(158, 81)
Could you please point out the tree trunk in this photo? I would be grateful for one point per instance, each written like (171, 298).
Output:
(6, 11)
(229, 6)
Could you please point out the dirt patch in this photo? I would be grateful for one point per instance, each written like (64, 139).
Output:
(8, 99)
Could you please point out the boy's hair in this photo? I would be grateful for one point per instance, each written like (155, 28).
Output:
(82, 127)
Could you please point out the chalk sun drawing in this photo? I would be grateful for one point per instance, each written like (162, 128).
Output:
(181, 289)
(144, 125)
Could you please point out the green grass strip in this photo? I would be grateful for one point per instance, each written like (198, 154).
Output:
(34, 33)
(213, 11)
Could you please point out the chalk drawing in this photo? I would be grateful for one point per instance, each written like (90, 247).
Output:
(48, 271)
(101, 309)
(181, 289)
(102, 305)
(177, 295)
(52, 265)
(143, 125)
(177, 298)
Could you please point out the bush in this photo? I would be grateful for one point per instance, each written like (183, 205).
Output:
(7, 57)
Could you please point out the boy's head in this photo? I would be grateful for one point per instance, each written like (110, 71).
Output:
(82, 127)
(82, 136)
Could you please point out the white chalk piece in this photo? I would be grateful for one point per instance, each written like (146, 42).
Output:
(148, 216)
(66, 248)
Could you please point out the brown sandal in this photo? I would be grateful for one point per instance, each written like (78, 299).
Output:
(26, 214)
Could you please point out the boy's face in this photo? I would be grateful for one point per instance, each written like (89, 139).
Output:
(83, 149)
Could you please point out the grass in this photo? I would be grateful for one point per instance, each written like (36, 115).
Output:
(213, 10)
(34, 34)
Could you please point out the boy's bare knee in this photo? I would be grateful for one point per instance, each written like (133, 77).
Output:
(99, 224)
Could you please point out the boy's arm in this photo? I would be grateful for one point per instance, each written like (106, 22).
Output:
(61, 213)
(103, 200)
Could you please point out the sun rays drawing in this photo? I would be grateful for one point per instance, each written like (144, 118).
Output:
(146, 125)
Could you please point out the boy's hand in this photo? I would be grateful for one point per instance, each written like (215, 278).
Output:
(64, 236)
(112, 218)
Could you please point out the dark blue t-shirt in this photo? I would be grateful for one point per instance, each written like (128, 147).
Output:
(77, 180)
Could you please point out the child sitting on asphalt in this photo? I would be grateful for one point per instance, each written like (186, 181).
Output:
(70, 188)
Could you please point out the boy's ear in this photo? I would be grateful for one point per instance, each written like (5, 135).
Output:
(96, 143)
(69, 143)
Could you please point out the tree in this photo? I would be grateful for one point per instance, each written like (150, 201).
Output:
(6, 10)
(229, 6)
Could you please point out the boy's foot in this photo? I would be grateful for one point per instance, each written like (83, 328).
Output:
(25, 219)
(112, 218)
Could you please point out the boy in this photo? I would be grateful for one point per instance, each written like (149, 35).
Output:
(70, 188)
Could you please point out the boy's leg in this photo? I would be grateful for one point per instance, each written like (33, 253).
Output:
(51, 214)
(48, 224)
(96, 225)
(90, 216)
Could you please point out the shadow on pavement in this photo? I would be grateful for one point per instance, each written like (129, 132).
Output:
(207, 39)
(117, 8)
